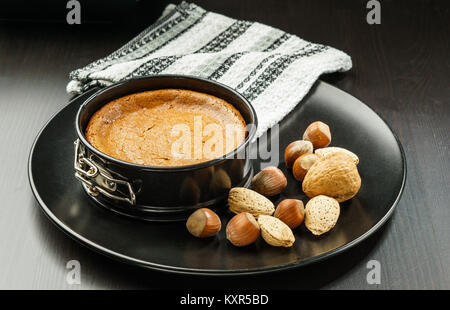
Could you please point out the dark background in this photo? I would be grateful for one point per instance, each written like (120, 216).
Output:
(401, 69)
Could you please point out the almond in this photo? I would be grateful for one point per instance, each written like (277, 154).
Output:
(275, 232)
(241, 199)
(335, 176)
(321, 214)
(326, 151)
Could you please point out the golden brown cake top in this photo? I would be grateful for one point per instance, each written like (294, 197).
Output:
(167, 127)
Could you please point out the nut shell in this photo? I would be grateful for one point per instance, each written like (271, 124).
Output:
(242, 229)
(327, 151)
(291, 212)
(269, 182)
(318, 133)
(241, 199)
(335, 176)
(302, 165)
(321, 214)
(275, 232)
(203, 223)
(296, 149)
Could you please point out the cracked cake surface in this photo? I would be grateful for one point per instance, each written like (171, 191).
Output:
(167, 127)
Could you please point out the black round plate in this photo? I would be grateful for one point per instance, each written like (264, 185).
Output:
(169, 247)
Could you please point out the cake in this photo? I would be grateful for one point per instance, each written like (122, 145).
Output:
(166, 127)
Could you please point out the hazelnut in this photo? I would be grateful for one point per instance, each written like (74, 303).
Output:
(242, 229)
(203, 223)
(291, 212)
(296, 149)
(302, 165)
(318, 133)
(269, 182)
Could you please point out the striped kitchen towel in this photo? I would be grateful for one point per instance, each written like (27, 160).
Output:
(274, 70)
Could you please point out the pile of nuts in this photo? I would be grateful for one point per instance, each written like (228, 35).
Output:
(328, 174)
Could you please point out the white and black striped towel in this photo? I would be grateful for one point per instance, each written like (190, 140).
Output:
(273, 69)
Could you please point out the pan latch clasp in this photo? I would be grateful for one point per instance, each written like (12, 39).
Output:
(98, 179)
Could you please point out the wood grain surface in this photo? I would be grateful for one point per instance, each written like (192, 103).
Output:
(401, 70)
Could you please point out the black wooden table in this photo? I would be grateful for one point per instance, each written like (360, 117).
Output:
(401, 70)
